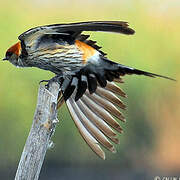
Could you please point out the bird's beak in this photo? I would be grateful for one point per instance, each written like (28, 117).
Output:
(4, 59)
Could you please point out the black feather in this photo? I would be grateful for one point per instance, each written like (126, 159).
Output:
(101, 79)
(70, 88)
(127, 70)
(92, 83)
(82, 86)
(121, 70)
(109, 76)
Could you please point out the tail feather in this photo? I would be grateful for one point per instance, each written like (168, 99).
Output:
(106, 71)
(128, 70)
(120, 70)
(90, 140)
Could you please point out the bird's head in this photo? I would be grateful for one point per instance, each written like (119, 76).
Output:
(13, 53)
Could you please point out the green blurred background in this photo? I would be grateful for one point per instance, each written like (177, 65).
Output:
(150, 144)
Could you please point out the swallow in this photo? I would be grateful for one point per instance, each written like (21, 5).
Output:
(86, 76)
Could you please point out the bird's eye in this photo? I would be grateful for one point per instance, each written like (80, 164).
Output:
(8, 54)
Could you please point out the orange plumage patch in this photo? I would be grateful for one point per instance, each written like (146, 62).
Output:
(16, 48)
(87, 50)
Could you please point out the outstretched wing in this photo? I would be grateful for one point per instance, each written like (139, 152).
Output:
(77, 28)
(94, 105)
(72, 30)
(94, 116)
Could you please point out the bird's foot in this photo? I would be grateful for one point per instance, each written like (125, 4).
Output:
(56, 78)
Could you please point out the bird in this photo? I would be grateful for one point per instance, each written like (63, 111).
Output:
(88, 79)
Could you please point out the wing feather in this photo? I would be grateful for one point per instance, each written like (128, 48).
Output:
(102, 113)
(110, 96)
(77, 28)
(92, 114)
(90, 140)
(100, 123)
(116, 89)
(106, 104)
(95, 132)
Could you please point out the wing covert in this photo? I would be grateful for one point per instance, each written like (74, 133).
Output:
(74, 29)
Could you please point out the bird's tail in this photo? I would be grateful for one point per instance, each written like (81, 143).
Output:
(121, 70)
(91, 75)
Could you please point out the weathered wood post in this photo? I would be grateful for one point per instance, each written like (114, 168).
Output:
(39, 139)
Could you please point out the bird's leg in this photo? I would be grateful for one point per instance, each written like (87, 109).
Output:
(57, 78)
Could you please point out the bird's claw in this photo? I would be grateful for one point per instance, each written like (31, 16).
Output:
(57, 79)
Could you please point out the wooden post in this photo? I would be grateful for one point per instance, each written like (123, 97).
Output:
(39, 139)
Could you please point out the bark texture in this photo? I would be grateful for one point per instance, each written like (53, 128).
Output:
(39, 139)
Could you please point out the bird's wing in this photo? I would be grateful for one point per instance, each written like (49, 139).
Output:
(72, 30)
(94, 116)
(76, 28)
